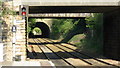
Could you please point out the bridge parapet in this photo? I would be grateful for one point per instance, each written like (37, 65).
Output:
(68, 2)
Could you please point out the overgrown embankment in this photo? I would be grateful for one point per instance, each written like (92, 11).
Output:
(86, 35)
(93, 42)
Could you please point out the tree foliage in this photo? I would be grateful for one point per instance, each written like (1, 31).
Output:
(60, 27)
(66, 28)
(37, 31)
(94, 36)
(31, 25)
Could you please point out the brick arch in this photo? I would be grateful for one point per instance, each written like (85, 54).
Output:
(44, 28)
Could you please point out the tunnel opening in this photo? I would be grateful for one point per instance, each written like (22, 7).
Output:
(40, 30)
(44, 29)
(72, 30)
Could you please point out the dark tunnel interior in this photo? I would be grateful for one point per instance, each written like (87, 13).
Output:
(44, 29)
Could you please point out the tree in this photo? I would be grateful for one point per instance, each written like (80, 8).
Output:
(60, 27)
(31, 25)
(66, 28)
(79, 27)
(94, 36)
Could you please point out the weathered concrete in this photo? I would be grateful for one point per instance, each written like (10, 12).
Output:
(68, 2)
(59, 15)
(20, 63)
(66, 6)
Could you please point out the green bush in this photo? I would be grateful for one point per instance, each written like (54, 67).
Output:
(60, 27)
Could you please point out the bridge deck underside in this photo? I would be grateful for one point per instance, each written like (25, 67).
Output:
(71, 9)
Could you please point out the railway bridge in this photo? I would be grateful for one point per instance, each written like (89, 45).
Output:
(65, 9)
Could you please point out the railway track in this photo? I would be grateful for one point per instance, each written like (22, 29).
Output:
(64, 55)
(71, 47)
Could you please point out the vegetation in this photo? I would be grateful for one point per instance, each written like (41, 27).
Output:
(60, 27)
(86, 33)
(88, 36)
(64, 28)
(37, 31)
(31, 25)
(78, 28)
(94, 37)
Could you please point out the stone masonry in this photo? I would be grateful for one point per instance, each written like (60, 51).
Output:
(14, 42)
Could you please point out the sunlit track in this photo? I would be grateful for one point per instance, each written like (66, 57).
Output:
(42, 51)
(83, 61)
(113, 63)
(64, 54)
(56, 59)
(89, 61)
(52, 48)
(72, 54)
(94, 60)
(60, 57)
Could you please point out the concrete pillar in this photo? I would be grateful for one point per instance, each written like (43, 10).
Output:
(112, 34)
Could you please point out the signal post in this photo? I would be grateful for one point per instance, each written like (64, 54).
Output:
(19, 32)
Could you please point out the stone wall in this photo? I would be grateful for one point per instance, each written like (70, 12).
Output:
(14, 42)
(112, 34)
(6, 33)
(20, 37)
